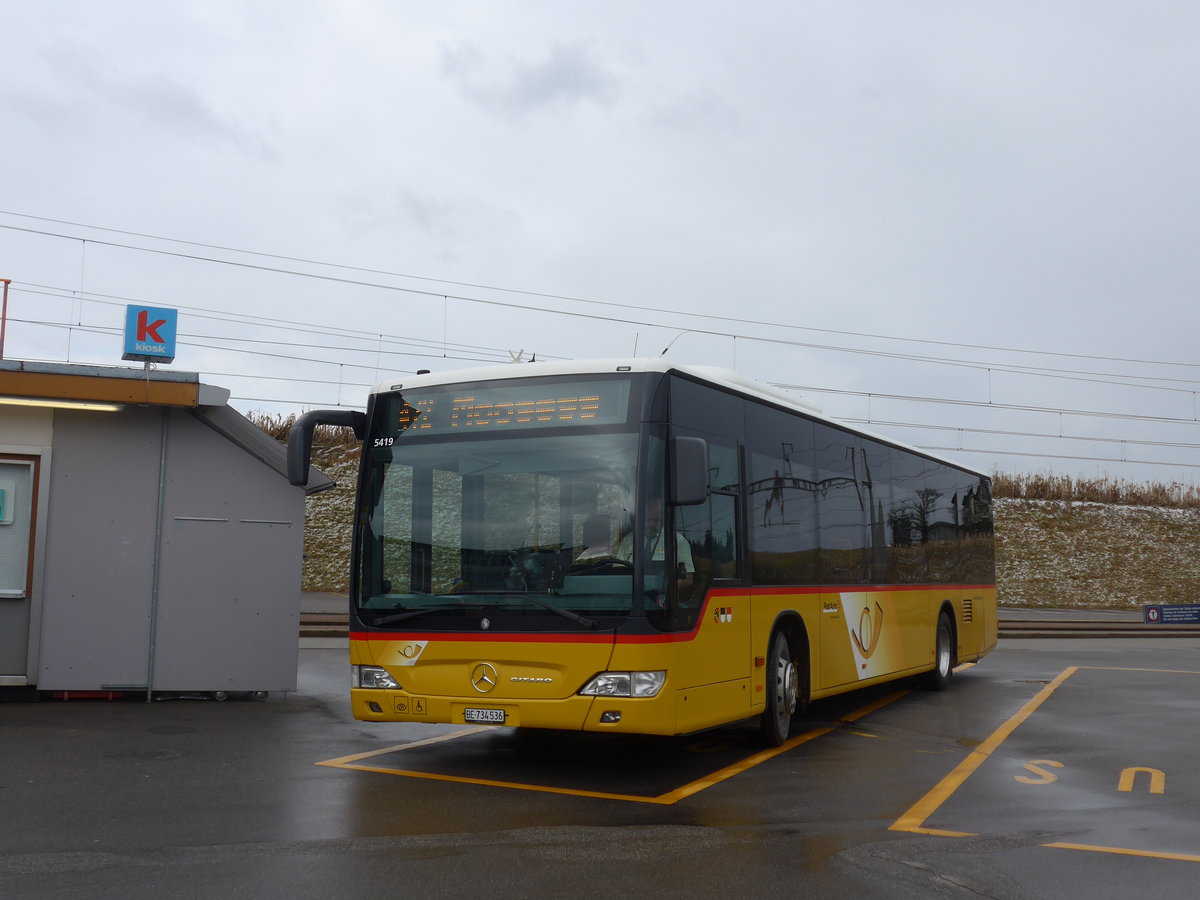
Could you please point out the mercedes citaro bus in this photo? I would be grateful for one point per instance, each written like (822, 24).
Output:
(639, 546)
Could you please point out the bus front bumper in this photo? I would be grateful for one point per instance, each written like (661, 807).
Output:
(641, 715)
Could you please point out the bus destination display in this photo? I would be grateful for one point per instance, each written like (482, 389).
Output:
(536, 405)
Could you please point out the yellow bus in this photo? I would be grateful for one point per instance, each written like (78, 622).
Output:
(639, 546)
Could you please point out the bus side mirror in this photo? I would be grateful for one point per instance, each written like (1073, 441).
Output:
(300, 437)
(689, 470)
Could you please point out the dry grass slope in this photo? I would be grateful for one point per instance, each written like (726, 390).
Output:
(329, 515)
(1095, 543)
(329, 520)
(1095, 490)
(1091, 555)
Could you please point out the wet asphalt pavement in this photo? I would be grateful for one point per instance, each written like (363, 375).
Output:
(1055, 768)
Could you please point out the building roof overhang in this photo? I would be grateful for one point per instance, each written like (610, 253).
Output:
(65, 384)
(104, 384)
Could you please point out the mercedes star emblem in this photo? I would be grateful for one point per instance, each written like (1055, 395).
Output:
(483, 677)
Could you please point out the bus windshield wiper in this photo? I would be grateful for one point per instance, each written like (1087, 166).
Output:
(413, 613)
(585, 621)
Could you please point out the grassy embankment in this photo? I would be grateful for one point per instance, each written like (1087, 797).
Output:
(1095, 543)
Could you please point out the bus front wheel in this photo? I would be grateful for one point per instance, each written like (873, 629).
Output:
(783, 691)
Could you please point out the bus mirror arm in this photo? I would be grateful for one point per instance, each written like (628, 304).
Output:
(300, 437)
(689, 470)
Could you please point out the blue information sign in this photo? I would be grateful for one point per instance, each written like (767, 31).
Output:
(1173, 614)
(150, 333)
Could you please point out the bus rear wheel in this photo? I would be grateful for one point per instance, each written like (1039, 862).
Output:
(943, 657)
(783, 691)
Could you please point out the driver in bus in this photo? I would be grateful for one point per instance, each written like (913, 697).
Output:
(656, 548)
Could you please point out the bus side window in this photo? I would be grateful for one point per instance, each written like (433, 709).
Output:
(907, 519)
(842, 507)
(710, 528)
(782, 495)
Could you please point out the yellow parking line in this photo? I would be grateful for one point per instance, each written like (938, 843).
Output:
(667, 799)
(344, 761)
(514, 785)
(914, 819)
(763, 755)
(872, 707)
(737, 768)
(1122, 851)
(1141, 669)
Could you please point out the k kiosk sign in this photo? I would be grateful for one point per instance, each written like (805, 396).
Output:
(150, 333)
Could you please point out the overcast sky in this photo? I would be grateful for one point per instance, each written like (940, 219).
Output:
(749, 184)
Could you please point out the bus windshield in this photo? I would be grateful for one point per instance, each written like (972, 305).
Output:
(525, 523)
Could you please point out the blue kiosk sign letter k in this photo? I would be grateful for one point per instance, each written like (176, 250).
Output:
(150, 333)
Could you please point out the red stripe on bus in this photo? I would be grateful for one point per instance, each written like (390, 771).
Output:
(505, 638)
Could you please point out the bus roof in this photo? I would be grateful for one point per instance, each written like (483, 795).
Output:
(714, 375)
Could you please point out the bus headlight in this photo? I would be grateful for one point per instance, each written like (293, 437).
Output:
(625, 684)
(371, 677)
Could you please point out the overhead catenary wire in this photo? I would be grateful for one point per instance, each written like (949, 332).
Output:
(431, 348)
(479, 354)
(935, 448)
(495, 302)
(107, 331)
(998, 432)
(988, 404)
(196, 341)
(273, 323)
(1172, 384)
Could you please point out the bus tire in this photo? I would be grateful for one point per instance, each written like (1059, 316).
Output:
(943, 657)
(783, 691)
